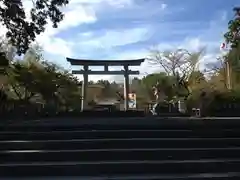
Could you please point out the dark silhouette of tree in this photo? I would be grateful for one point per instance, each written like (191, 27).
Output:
(22, 32)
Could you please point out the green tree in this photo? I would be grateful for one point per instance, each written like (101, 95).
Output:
(233, 34)
(22, 80)
(197, 80)
(232, 37)
(165, 82)
(109, 90)
(179, 64)
(22, 32)
(34, 79)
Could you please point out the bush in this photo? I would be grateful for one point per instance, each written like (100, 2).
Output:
(216, 103)
(225, 104)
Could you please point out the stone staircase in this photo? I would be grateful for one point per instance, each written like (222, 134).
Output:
(164, 149)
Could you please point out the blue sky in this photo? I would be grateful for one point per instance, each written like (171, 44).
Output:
(124, 29)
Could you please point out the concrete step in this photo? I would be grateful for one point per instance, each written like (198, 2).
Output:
(200, 176)
(165, 149)
(121, 133)
(109, 168)
(117, 143)
(90, 155)
(121, 123)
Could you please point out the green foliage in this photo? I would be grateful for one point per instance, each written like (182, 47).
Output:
(32, 78)
(180, 65)
(213, 102)
(234, 58)
(21, 31)
(23, 80)
(223, 101)
(233, 34)
(165, 84)
(151, 79)
(4, 62)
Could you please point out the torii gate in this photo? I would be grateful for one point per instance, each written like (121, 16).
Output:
(106, 63)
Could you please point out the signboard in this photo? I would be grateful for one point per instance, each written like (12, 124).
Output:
(132, 103)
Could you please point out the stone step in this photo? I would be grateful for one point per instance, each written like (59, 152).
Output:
(121, 123)
(29, 156)
(169, 149)
(117, 143)
(109, 168)
(200, 176)
(121, 133)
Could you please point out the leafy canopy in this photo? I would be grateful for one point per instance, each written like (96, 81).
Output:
(21, 31)
(233, 34)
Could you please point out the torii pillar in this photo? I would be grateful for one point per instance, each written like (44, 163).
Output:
(84, 87)
(126, 87)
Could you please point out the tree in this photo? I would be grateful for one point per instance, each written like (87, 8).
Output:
(197, 80)
(4, 62)
(19, 75)
(22, 32)
(109, 90)
(68, 90)
(233, 39)
(33, 79)
(45, 81)
(55, 85)
(165, 83)
(22, 79)
(179, 64)
(233, 34)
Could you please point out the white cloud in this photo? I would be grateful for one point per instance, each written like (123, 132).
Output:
(76, 13)
(163, 6)
(113, 38)
(192, 44)
(57, 46)
(189, 43)
(120, 3)
(74, 16)
(87, 44)
(28, 4)
(3, 30)
(111, 2)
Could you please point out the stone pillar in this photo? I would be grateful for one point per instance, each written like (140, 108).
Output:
(126, 87)
(84, 88)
